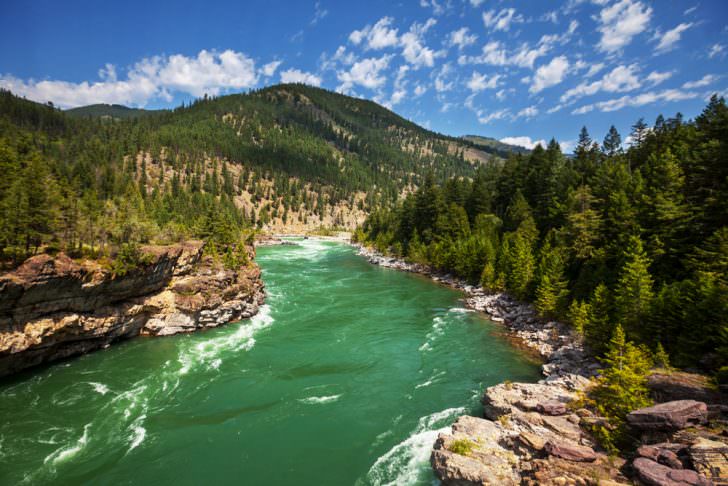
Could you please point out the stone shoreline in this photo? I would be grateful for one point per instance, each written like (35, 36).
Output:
(535, 434)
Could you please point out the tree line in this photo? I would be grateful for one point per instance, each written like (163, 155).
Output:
(608, 237)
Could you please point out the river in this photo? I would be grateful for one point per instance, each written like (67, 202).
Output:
(344, 377)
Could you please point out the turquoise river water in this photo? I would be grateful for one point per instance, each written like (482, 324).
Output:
(344, 378)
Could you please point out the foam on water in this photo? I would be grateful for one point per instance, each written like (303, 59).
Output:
(138, 433)
(408, 461)
(431, 380)
(64, 453)
(99, 388)
(318, 400)
(210, 352)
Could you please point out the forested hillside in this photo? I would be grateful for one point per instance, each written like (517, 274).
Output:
(636, 237)
(288, 156)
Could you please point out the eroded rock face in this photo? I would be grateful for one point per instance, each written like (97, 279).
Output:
(669, 416)
(654, 474)
(53, 308)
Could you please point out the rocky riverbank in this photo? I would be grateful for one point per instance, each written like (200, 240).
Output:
(534, 434)
(54, 307)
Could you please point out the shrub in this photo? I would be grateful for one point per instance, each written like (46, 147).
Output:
(463, 447)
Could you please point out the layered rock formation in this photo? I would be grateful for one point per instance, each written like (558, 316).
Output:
(54, 307)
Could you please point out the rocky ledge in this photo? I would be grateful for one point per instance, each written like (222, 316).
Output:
(532, 434)
(54, 307)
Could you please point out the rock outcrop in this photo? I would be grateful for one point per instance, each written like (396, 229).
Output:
(532, 435)
(669, 416)
(54, 307)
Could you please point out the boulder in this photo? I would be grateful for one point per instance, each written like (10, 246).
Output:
(654, 474)
(669, 416)
(663, 456)
(710, 457)
(552, 408)
(570, 452)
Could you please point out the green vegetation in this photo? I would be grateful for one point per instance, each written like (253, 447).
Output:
(636, 238)
(463, 447)
(621, 388)
(89, 183)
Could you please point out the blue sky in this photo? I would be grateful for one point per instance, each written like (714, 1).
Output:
(517, 71)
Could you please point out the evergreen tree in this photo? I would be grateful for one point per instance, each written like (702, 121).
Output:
(633, 293)
(612, 144)
(621, 388)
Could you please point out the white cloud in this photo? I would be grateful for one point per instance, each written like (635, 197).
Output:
(442, 83)
(209, 72)
(524, 141)
(501, 20)
(476, 3)
(461, 38)
(620, 22)
(494, 53)
(619, 79)
(319, 13)
(549, 74)
(419, 90)
(669, 39)
(298, 76)
(413, 49)
(704, 81)
(269, 69)
(496, 115)
(656, 77)
(438, 7)
(716, 50)
(479, 82)
(378, 36)
(594, 69)
(637, 100)
(528, 112)
(366, 73)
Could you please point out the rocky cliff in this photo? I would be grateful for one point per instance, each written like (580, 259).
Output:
(54, 307)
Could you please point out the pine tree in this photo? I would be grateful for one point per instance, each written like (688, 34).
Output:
(551, 291)
(633, 293)
(612, 144)
(621, 388)
(598, 327)
(639, 132)
(584, 223)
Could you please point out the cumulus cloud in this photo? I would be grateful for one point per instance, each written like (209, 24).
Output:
(524, 141)
(501, 20)
(298, 76)
(716, 50)
(479, 82)
(378, 36)
(704, 81)
(415, 52)
(669, 39)
(637, 100)
(496, 115)
(366, 73)
(656, 77)
(528, 112)
(442, 79)
(620, 22)
(438, 7)
(549, 74)
(495, 54)
(269, 69)
(619, 79)
(209, 72)
(461, 38)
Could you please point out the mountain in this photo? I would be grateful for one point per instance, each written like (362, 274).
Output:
(495, 147)
(284, 158)
(115, 112)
